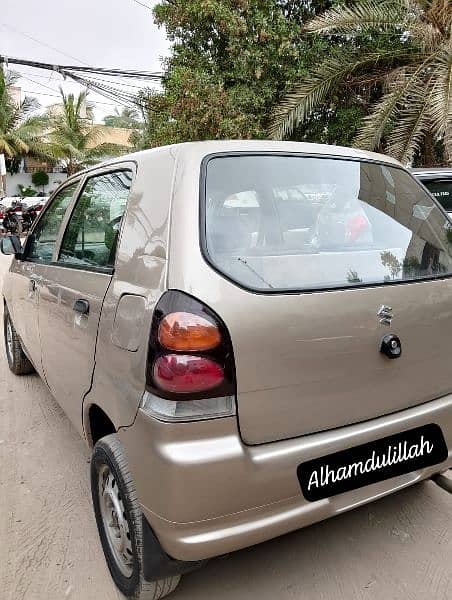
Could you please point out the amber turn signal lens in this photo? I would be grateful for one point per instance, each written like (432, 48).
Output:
(182, 331)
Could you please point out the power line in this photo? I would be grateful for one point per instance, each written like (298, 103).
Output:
(124, 98)
(39, 83)
(68, 70)
(86, 76)
(42, 43)
(141, 4)
(58, 96)
(129, 85)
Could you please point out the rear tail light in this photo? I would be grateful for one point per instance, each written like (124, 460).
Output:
(190, 368)
(183, 373)
(188, 332)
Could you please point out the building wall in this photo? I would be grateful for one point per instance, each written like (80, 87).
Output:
(12, 181)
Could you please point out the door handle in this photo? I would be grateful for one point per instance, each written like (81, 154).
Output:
(81, 306)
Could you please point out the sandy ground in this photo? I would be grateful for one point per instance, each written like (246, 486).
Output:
(398, 548)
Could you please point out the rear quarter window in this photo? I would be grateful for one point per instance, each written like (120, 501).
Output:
(279, 223)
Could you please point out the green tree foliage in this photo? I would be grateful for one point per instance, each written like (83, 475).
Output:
(72, 137)
(26, 191)
(21, 129)
(230, 61)
(40, 179)
(399, 54)
(128, 118)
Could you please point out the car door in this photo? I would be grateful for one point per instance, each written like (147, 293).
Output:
(75, 285)
(29, 272)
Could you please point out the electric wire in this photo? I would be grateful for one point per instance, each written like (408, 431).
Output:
(93, 78)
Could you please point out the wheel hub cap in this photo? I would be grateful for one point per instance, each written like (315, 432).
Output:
(115, 521)
(9, 339)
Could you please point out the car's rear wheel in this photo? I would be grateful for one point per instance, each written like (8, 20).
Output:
(119, 521)
(17, 359)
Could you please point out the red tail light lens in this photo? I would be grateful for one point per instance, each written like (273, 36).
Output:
(190, 355)
(187, 332)
(181, 373)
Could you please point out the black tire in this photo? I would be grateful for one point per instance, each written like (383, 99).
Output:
(15, 225)
(109, 469)
(17, 359)
(19, 227)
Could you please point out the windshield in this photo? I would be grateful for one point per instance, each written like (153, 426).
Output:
(301, 223)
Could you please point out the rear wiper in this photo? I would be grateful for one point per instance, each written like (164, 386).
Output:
(244, 262)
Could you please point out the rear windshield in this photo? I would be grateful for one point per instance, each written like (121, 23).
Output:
(442, 190)
(302, 223)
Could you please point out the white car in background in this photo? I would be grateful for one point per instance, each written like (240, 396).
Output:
(438, 181)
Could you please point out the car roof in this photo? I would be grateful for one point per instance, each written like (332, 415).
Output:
(432, 173)
(201, 149)
(198, 150)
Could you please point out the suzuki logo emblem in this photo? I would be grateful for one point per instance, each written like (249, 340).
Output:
(385, 314)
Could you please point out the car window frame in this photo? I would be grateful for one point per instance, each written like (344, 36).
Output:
(96, 172)
(42, 214)
(202, 221)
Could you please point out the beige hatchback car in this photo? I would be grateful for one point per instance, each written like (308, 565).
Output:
(252, 337)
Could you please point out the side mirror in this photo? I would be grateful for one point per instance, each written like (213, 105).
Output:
(11, 245)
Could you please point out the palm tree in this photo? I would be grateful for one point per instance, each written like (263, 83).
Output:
(72, 137)
(128, 118)
(20, 130)
(414, 70)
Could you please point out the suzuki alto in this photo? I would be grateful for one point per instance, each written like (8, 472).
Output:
(251, 336)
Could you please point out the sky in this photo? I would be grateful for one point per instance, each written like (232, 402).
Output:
(118, 34)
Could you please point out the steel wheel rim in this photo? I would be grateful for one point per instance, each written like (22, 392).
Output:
(9, 340)
(114, 521)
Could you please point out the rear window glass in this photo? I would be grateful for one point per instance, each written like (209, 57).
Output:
(442, 190)
(301, 223)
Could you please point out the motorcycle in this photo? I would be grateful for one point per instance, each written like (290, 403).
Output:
(12, 218)
(29, 214)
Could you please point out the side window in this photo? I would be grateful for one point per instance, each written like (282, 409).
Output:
(42, 241)
(92, 232)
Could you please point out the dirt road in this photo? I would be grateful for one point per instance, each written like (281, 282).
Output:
(398, 548)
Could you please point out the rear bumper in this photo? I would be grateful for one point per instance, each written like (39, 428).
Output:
(205, 493)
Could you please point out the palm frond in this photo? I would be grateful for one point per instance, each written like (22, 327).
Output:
(104, 150)
(360, 17)
(316, 87)
(403, 81)
(441, 95)
(6, 148)
(413, 122)
(29, 105)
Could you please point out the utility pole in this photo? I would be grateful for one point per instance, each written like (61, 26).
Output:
(2, 176)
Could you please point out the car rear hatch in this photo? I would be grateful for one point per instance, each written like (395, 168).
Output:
(321, 289)
(312, 362)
